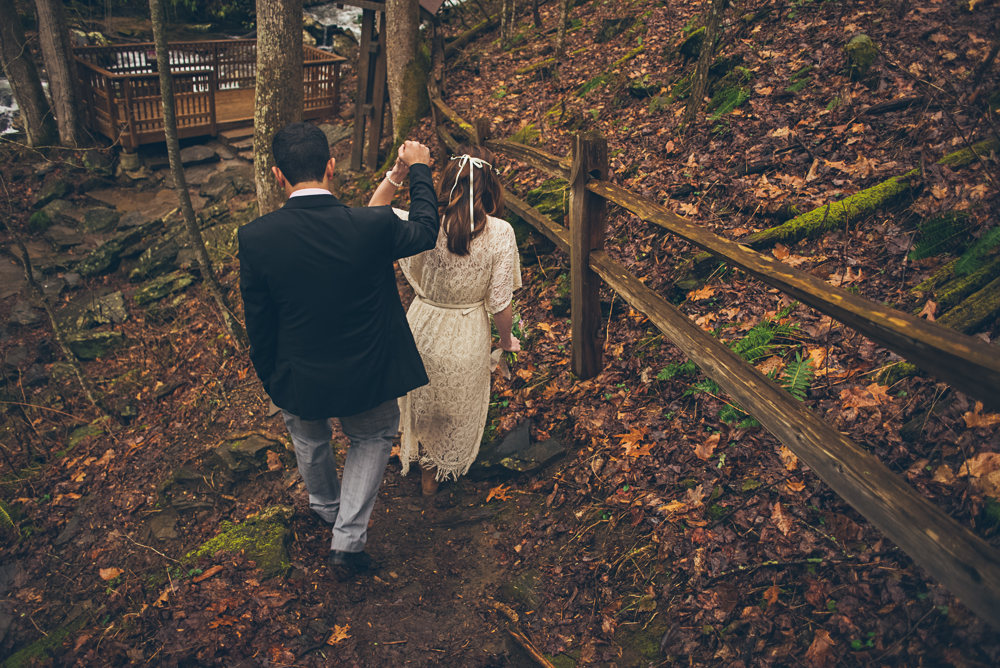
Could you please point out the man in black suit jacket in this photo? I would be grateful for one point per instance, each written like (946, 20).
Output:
(328, 334)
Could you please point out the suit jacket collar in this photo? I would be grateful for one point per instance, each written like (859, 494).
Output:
(312, 202)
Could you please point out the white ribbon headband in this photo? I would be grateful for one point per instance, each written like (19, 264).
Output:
(473, 162)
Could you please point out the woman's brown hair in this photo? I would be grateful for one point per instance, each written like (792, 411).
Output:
(453, 197)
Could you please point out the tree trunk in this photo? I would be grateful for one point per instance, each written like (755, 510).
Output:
(406, 67)
(20, 69)
(177, 171)
(535, 16)
(279, 95)
(561, 30)
(60, 68)
(704, 60)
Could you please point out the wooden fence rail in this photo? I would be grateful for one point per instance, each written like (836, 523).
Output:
(964, 563)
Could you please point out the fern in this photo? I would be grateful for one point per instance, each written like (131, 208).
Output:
(978, 253)
(947, 233)
(706, 385)
(675, 369)
(797, 377)
(6, 521)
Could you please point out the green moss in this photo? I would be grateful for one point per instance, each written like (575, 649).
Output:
(527, 135)
(691, 46)
(39, 222)
(628, 56)
(836, 214)
(967, 156)
(976, 311)
(260, 538)
(50, 645)
(896, 373)
(939, 277)
(551, 199)
(861, 55)
(160, 287)
(960, 288)
(715, 512)
(593, 84)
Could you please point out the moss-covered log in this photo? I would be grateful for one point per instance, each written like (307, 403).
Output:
(976, 311)
(469, 35)
(835, 214)
(963, 286)
(967, 156)
(944, 274)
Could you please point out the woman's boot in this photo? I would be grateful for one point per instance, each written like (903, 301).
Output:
(428, 480)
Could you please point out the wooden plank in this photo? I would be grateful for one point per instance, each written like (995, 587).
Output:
(557, 233)
(363, 96)
(379, 98)
(551, 164)
(447, 139)
(587, 227)
(953, 555)
(966, 363)
(467, 130)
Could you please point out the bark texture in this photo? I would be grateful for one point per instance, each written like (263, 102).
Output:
(406, 67)
(53, 36)
(279, 95)
(705, 60)
(158, 16)
(19, 67)
(561, 30)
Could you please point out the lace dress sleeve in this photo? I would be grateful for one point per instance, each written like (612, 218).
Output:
(506, 275)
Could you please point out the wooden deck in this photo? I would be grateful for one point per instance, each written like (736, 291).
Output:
(213, 88)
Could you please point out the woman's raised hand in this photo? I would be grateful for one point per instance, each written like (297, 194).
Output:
(414, 153)
(513, 346)
(399, 171)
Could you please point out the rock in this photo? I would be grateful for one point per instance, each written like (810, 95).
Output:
(52, 286)
(158, 288)
(62, 237)
(127, 411)
(91, 182)
(642, 87)
(261, 538)
(88, 311)
(187, 258)
(72, 279)
(163, 525)
(95, 161)
(44, 168)
(35, 376)
(54, 189)
(336, 133)
(198, 155)
(343, 44)
(535, 456)
(129, 162)
(107, 256)
(611, 28)
(244, 456)
(94, 345)
(155, 260)
(861, 55)
(24, 315)
(223, 186)
(134, 219)
(45, 351)
(15, 357)
(523, 590)
(100, 219)
(308, 39)
(72, 526)
(691, 46)
(199, 174)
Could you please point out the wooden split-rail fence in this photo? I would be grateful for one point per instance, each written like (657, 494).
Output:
(963, 562)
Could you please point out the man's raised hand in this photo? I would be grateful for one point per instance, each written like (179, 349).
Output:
(414, 153)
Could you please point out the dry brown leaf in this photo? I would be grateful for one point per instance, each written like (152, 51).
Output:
(771, 365)
(782, 519)
(788, 458)
(795, 486)
(879, 393)
(783, 132)
(705, 449)
(209, 572)
(701, 293)
(274, 461)
(929, 310)
(108, 456)
(944, 475)
(976, 419)
(771, 595)
(817, 356)
(499, 492)
(819, 654)
(859, 397)
(339, 633)
(110, 573)
(813, 173)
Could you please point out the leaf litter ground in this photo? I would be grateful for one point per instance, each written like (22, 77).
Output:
(668, 534)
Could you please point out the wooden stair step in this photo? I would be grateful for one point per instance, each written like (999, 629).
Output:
(231, 137)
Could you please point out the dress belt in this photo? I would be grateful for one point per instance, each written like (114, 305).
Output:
(466, 309)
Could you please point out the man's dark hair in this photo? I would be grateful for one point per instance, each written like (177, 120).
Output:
(301, 152)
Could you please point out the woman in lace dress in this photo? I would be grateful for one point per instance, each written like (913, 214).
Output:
(472, 271)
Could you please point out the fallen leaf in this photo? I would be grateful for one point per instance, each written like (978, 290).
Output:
(976, 419)
(110, 573)
(108, 456)
(499, 492)
(929, 310)
(705, 449)
(705, 321)
(226, 620)
(939, 192)
(943, 474)
(273, 461)
(879, 393)
(701, 293)
(817, 356)
(771, 365)
(795, 486)
(819, 653)
(783, 132)
(782, 519)
(788, 458)
(780, 252)
(525, 374)
(771, 595)
(813, 173)
(339, 634)
(688, 209)
(208, 573)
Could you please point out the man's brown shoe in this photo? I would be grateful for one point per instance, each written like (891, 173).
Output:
(428, 480)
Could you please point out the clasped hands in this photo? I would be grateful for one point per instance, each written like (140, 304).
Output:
(410, 153)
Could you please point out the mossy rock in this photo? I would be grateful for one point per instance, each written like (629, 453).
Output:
(861, 55)
(45, 647)
(54, 189)
(523, 590)
(97, 162)
(100, 219)
(643, 87)
(160, 287)
(106, 257)
(261, 538)
(93, 345)
(640, 643)
(39, 222)
(611, 28)
(691, 46)
(551, 199)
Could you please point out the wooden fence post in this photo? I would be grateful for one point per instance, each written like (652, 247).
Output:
(482, 127)
(587, 221)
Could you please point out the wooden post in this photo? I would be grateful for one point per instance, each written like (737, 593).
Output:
(130, 112)
(587, 220)
(482, 127)
(379, 89)
(213, 86)
(362, 99)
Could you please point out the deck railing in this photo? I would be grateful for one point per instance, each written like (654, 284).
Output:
(121, 87)
(963, 562)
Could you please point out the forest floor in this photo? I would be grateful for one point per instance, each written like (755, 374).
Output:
(667, 534)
